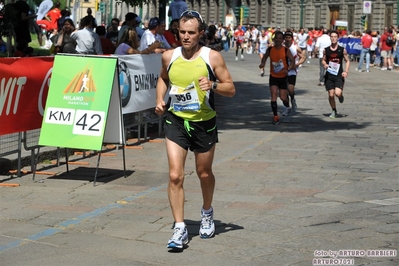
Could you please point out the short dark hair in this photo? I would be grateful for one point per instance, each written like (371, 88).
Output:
(334, 31)
(100, 30)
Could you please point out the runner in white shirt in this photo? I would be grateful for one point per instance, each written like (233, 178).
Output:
(263, 44)
(291, 78)
(322, 42)
(254, 36)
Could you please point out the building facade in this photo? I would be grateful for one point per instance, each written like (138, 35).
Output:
(269, 13)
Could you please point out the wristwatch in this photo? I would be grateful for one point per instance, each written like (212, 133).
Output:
(214, 86)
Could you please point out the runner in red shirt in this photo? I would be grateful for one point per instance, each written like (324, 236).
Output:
(239, 35)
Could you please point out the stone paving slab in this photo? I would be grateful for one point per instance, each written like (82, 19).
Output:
(282, 192)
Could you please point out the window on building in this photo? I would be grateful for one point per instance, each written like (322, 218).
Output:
(317, 13)
(388, 15)
(351, 17)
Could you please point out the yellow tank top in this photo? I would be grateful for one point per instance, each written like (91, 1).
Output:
(188, 101)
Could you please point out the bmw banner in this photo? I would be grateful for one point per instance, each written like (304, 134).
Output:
(138, 77)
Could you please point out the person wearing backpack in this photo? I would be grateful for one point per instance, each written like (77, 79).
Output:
(386, 48)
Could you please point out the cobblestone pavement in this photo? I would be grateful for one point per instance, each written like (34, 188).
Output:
(312, 190)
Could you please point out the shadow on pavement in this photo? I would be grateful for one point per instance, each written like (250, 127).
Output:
(250, 109)
(104, 175)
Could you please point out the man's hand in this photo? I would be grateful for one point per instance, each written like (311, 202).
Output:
(160, 108)
(204, 83)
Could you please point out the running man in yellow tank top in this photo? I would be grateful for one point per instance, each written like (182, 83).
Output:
(192, 75)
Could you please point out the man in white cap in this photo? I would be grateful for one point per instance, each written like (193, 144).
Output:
(151, 35)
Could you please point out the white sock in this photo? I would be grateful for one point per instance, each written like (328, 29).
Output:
(207, 211)
(180, 225)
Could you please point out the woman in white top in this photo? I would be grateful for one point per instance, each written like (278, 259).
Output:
(263, 41)
(129, 43)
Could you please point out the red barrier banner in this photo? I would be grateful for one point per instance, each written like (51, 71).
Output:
(24, 84)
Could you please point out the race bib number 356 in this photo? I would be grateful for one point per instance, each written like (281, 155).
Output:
(185, 99)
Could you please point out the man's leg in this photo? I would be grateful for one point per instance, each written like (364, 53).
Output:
(338, 92)
(322, 72)
(273, 98)
(176, 157)
(368, 60)
(361, 59)
(203, 162)
(291, 92)
(283, 93)
(331, 100)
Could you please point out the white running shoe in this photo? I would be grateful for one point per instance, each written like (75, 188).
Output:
(242, 56)
(333, 114)
(287, 111)
(178, 239)
(207, 226)
(293, 104)
(383, 68)
(236, 58)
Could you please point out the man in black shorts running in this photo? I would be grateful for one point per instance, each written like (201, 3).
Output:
(191, 118)
(333, 57)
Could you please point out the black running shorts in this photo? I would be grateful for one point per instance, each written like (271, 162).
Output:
(332, 82)
(281, 83)
(291, 80)
(196, 136)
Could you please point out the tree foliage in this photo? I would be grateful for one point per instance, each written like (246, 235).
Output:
(136, 2)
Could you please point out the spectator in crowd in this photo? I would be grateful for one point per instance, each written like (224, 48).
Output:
(107, 46)
(366, 42)
(88, 42)
(172, 34)
(373, 47)
(63, 41)
(160, 35)
(129, 44)
(211, 40)
(112, 31)
(93, 19)
(130, 22)
(386, 50)
(21, 29)
(65, 13)
(176, 7)
(50, 21)
(150, 36)
(139, 29)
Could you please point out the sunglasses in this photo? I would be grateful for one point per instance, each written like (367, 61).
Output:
(192, 13)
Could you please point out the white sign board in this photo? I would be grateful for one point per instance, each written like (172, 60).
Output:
(366, 7)
(341, 23)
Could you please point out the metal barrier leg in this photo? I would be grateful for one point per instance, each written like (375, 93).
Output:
(36, 159)
(66, 160)
(19, 154)
(98, 164)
